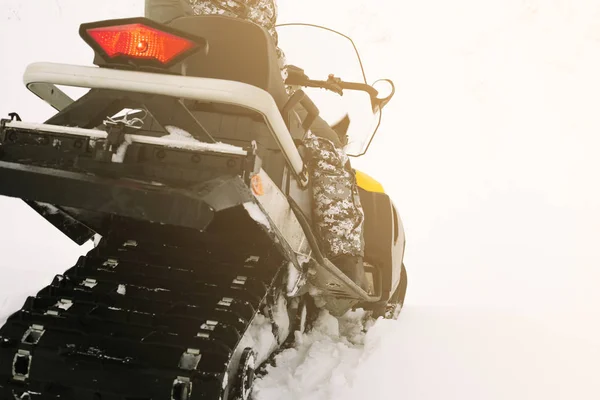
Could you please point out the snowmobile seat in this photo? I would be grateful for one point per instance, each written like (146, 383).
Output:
(239, 51)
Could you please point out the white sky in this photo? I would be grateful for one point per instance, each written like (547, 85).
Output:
(489, 148)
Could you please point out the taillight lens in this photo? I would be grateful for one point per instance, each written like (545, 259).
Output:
(139, 41)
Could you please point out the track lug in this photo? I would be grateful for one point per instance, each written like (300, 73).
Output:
(111, 263)
(226, 302)
(190, 359)
(21, 365)
(209, 325)
(89, 283)
(240, 280)
(130, 243)
(33, 334)
(64, 304)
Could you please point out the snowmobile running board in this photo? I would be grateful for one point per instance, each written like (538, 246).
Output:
(192, 88)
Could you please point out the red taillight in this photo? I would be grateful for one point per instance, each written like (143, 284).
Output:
(140, 42)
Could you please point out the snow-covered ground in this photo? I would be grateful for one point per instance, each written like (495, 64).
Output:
(435, 353)
(489, 150)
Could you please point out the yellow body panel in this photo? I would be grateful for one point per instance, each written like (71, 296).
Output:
(367, 183)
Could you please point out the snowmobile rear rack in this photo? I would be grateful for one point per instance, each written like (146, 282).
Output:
(41, 79)
(96, 134)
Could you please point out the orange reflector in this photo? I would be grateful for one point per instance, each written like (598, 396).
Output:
(257, 186)
(140, 41)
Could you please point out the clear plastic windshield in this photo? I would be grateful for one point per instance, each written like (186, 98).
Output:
(321, 53)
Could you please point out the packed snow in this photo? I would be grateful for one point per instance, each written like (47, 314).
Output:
(257, 214)
(119, 155)
(178, 134)
(489, 152)
(260, 335)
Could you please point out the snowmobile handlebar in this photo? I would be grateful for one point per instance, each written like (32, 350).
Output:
(338, 86)
(297, 77)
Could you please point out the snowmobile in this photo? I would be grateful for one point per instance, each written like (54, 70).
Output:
(181, 162)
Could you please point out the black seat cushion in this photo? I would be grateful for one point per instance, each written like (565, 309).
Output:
(238, 51)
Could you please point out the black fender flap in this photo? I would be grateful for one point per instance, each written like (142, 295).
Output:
(63, 221)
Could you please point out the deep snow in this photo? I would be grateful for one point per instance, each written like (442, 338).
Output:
(489, 150)
(434, 353)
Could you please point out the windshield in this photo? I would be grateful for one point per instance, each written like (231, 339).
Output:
(320, 53)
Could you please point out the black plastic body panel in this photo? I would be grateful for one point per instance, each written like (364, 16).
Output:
(63, 221)
(384, 238)
(109, 196)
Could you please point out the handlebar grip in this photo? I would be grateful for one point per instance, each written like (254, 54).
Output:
(360, 86)
(336, 86)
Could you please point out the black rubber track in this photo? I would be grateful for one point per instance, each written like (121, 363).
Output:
(137, 321)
